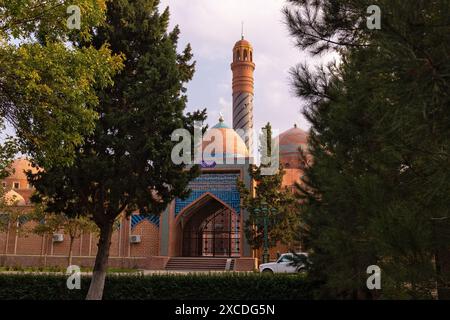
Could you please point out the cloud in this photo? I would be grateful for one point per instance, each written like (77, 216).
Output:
(212, 27)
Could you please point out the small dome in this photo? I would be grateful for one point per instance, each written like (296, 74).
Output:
(13, 198)
(290, 141)
(242, 43)
(222, 142)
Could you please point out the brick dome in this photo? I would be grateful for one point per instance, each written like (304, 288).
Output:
(17, 179)
(242, 43)
(290, 141)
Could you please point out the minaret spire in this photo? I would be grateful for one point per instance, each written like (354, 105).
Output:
(243, 84)
(242, 31)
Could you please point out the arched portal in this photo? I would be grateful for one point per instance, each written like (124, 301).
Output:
(210, 229)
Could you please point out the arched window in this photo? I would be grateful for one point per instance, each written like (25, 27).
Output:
(251, 56)
(238, 55)
(245, 55)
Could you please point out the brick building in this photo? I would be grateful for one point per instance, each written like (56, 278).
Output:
(204, 231)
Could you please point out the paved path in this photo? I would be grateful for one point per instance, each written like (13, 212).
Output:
(152, 272)
(137, 272)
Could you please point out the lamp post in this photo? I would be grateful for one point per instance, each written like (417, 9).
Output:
(263, 213)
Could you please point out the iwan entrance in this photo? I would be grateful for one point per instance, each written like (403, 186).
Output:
(211, 229)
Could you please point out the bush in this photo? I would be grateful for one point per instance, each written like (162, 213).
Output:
(161, 287)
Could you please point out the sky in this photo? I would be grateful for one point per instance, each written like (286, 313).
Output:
(212, 27)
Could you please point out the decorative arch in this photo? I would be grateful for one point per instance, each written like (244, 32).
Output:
(189, 210)
(137, 219)
(209, 228)
(221, 185)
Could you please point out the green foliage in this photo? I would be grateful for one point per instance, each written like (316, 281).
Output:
(280, 203)
(162, 287)
(125, 164)
(11, 216)
(47, 86)
(7, 152)
(48, 223)
(380, 142)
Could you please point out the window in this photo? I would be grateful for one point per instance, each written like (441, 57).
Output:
(245, 55)
(251, 55)
(16, 185)
(285, 258)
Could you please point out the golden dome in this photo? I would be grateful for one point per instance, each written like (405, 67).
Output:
(222, 142)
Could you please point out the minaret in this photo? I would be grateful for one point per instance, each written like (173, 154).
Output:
(243, 68)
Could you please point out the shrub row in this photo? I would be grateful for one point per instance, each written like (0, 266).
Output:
(161, 287)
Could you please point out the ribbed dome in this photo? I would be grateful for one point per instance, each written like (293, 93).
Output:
(290, 141)
(222, 142)
(242, 43)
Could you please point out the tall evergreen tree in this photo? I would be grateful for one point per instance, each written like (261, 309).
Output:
(380, 141)
(126, 164)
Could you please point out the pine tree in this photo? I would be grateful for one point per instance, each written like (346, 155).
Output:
(126, 164)
(380, 143)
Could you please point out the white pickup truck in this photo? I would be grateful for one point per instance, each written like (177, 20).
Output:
(283, 265)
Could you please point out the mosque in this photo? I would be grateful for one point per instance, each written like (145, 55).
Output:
(203, 232)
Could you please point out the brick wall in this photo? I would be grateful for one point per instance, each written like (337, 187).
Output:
(29, 249)
(149, 245)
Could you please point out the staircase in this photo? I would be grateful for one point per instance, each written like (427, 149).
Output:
(198, 264)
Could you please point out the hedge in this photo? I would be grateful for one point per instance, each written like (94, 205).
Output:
(230, 286)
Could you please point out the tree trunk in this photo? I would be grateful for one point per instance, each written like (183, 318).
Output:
(70, 251)
(101, 263)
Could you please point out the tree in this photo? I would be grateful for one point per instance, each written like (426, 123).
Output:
(282, 212)
(8, 216)
(49, 223)
(47, 85)
(379, 141)
(125, 165)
